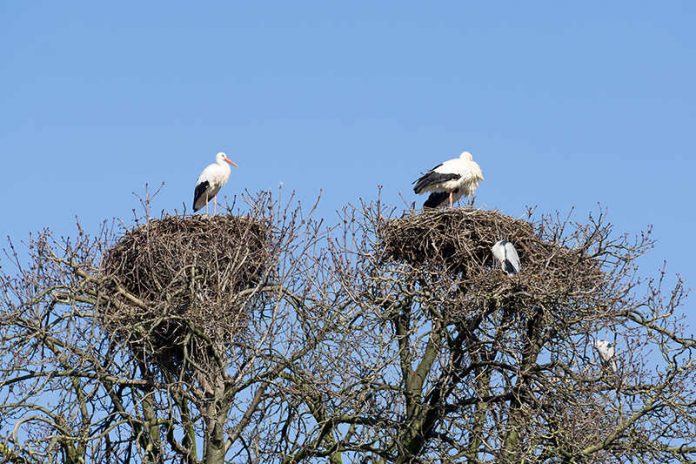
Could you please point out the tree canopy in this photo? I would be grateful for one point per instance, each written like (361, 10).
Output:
(269, 336)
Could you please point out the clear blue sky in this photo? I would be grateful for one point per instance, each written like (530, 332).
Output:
(562, 105)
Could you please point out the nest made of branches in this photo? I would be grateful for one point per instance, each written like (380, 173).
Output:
(182, 286)
(457, 242)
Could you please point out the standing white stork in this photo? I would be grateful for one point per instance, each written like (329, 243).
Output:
(506, 254)
(606, 351)
(211, 180)
(450, 180)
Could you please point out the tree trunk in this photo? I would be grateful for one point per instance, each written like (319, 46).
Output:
(215, 441)
(216, 417)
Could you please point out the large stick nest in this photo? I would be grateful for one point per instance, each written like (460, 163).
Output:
(455, 245)
(181, 287)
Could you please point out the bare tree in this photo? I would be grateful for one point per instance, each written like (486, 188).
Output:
(269, 337)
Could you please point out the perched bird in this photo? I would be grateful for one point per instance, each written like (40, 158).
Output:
(606, 352)
(211, 180)
(450, 180)
(506, 254)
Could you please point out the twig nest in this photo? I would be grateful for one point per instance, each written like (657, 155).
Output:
(461, 237)
(455, 245)
(180, 287)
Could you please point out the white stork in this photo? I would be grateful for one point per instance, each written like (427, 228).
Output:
(506, 254)
(211, 180)
(606, 351)
(450, 180)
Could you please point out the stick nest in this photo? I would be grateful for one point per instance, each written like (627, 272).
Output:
(454, 245)
(180, 288)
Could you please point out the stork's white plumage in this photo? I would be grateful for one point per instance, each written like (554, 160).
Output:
(450, 180)
(607, 352)
(211, 180)
(507, 256)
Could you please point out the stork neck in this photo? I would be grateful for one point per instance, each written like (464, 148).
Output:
(226, 169)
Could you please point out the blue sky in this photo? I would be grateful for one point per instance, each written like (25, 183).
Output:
(563, 105)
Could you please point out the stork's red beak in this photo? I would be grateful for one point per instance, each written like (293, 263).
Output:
(232, 163)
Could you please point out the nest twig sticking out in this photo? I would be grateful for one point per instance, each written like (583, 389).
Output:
(458, 242)
(177, 285)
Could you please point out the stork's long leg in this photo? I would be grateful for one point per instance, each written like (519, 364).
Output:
(207, 210)
(451, 199)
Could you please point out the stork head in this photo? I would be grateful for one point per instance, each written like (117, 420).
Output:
(222, 158)
(466, 156)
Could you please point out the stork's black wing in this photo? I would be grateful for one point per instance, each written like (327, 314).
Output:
(433, 178)
(436, 199)
(509, 268)
(199, 192)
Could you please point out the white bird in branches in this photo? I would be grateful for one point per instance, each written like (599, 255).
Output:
(507, 256)
(450, 180)
(607, 352)
(211, 180)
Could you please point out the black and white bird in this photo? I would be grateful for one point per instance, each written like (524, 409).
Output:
(450, 181)
(507, 256)
(211, 180)
(607, 352)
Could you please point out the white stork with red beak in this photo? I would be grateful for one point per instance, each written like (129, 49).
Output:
(211, 180)
(450, 181)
